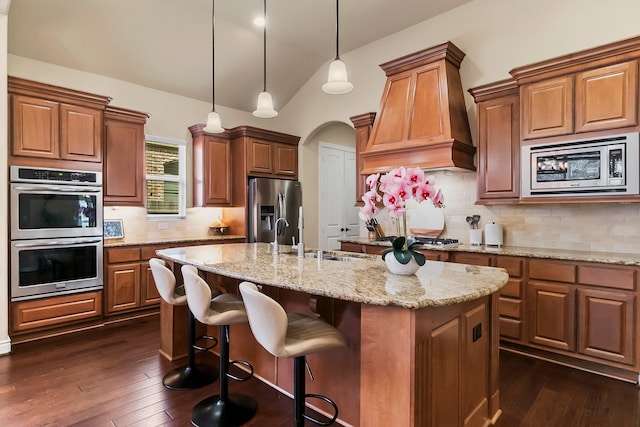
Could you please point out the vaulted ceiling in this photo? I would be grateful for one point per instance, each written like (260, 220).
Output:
(166, 44)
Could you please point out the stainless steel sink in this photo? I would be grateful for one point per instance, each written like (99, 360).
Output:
(330, 256)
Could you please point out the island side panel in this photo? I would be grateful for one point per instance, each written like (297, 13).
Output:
(433, 371)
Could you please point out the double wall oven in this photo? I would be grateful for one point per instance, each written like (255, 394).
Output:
(56, 232)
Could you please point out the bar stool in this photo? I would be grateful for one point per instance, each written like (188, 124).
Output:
(223, 409)
(291, 335)
(192, 375)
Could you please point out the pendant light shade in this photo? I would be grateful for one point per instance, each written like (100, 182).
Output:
(213, 120)
(337, 82)
(213, 123)
(265, 108)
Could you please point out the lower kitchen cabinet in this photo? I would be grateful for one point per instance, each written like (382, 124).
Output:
(47, 313)
(551, 315)
(606, 322)
(123, 279)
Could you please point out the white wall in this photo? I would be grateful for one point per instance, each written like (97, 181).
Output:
(5, 343)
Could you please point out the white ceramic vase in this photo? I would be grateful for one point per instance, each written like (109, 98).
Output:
(396, 267)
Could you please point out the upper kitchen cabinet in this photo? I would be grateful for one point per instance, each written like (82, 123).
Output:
(591, 90)
(266, 153)
(51, 126)
(422, 120)
(211, 167)
(124, 173)
(498, 141)
(363, 124)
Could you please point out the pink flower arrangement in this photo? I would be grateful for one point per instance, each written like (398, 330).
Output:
(395, 188)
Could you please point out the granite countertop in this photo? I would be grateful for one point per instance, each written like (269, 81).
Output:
(114, 243)
(364, 279)
(559, 254)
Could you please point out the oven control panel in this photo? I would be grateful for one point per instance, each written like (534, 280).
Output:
(24, 174)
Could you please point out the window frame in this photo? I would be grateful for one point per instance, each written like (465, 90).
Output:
(181, 179)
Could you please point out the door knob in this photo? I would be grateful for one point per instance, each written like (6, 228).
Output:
(341, 229)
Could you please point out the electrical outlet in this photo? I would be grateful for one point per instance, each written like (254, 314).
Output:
(163, 226)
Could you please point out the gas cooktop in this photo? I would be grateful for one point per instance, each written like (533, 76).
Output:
(429, 242)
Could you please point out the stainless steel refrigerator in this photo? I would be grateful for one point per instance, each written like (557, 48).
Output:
(270, 200)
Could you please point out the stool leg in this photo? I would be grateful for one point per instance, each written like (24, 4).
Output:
(224, 409)
(191, 376)
(298, 390)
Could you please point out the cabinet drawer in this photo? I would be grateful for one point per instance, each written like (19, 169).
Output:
(56, 310)
(148, 252)
(611, 277)
(512, 289)
(511, 328)
(123, 255)
(351, 247)
(473, 259)
(552, 271)
(512, 265)
(375, 250)
(510, 308)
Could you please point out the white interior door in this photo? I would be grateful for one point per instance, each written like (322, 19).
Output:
(338, 215)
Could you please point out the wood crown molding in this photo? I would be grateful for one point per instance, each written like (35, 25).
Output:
(25, 87)
(365, 119)
(595, 57)
(124, 114)
(447, 51)
(247, 131)
(494, 90)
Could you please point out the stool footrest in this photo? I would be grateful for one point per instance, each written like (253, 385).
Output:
(243, 363)
(330, 402)
(206, 348)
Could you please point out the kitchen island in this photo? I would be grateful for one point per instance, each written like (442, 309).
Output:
(423, 349)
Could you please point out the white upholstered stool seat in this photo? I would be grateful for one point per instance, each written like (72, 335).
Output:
(290, 335)
(192, 375)
(223, 409)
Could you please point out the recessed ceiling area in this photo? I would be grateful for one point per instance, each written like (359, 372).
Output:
(166, 44)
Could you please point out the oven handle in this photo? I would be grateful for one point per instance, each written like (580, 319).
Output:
(56, 243)
(60, 188)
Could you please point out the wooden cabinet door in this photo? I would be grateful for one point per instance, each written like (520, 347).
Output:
(285, 160)
(123, 163)
(35, 127)
(217, 173)
(547, 107)
(607, 97)
(606, 325)
(149, 292)
(551, 315)
(351, 247)
(499, 148)
(80, 133)
(260, 157)
(123, 287)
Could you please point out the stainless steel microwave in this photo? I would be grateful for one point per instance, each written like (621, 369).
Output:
(596, 166)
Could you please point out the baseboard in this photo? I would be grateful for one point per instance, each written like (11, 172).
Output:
(5, 346)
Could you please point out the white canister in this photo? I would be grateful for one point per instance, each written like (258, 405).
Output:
(493, 234)
(475, 237)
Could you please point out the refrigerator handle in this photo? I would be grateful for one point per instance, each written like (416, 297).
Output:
(280, 212)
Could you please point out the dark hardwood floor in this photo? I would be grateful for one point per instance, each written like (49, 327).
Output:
(112, 377)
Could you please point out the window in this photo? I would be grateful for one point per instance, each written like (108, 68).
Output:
(166, 170)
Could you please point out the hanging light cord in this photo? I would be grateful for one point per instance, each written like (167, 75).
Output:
(337, 31)
(264, 49)
(213, 55)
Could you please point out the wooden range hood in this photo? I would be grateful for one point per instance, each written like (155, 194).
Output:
(422, 120)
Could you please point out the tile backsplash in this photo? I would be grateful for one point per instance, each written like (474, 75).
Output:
(138, 229)
(611, 227)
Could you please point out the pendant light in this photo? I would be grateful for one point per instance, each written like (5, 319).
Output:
(213, 120)
(337, 82)
(265, 109)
